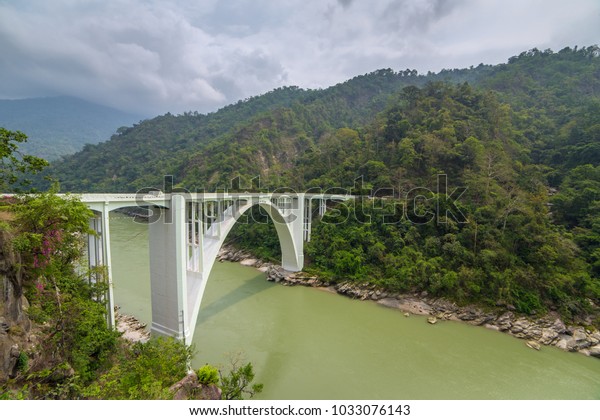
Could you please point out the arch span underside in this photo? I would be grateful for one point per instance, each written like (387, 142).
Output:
(184, 244)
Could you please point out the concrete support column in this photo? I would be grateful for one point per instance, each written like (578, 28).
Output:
(307, 219)
(98, 248)
(107, 264)
(168, 271)
(94, 246)
(322, 207)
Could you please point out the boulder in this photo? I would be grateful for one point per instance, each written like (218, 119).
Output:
(559, 326)
(565, 342)
(579, 334)
(504, 321)
(581, 339)
(483, 319)
(190, 389)
(519, 326)
(414, 306)
(595, 351)
(572, 343)
(466, 316)
(186, 388)
(548, 336)
(524, 328)
(210, 392)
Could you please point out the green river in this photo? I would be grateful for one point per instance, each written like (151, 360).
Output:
(310, 344)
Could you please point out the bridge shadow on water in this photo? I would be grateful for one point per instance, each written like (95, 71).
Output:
(248, 288)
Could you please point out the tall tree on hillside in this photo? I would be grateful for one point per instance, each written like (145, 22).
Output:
(14, 164)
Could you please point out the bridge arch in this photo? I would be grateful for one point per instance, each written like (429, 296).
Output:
(213, 241)
(184, 247)
(215, 237)
(183, 253)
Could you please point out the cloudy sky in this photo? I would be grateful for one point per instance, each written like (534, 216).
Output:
(151, 57)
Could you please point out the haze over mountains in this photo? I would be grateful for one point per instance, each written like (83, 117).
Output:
(62, 125)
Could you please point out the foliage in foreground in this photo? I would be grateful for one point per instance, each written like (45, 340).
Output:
(67, 308)
(78, 355)
(144, 371)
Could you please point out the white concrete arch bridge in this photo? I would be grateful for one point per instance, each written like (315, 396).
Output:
(185, 234)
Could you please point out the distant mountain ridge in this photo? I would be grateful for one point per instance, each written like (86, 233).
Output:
(61, 125)
(554, 96)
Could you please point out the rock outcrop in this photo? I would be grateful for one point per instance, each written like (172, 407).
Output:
(15, 326)
(131, 328)
(190, 389)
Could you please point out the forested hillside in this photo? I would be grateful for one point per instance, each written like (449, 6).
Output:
(60, 126)
(523, 138)
(139, 156)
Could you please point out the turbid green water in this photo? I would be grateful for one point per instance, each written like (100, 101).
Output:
(310, 344)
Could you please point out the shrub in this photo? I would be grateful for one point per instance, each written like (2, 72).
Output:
(22, 362)
(208, 375)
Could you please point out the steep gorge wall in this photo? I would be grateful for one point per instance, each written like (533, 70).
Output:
(14, 322)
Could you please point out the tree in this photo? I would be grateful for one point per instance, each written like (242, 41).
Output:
(238, 382)
(14, 164)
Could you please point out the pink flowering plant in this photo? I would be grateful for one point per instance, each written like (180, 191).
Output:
(51, 244)
(51, 239)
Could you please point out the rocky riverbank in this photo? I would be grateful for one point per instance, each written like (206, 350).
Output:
(548, 330)
(131, 328)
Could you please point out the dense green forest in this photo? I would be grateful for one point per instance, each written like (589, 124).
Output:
(523, 138)
(60, 126)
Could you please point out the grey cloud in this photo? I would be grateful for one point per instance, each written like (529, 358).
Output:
(155, 56)
(409, 16)
(345, 3)
(148, 58)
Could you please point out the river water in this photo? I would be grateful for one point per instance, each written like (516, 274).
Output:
(310, 344)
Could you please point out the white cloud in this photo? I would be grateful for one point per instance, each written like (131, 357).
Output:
(157, 56)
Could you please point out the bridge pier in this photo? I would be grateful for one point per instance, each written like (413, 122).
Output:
(99, 256)
(168, 271)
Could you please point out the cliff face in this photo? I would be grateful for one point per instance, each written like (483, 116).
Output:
(14, 323)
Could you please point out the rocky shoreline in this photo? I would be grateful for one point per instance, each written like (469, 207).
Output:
(131, 328)
(548, 330)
